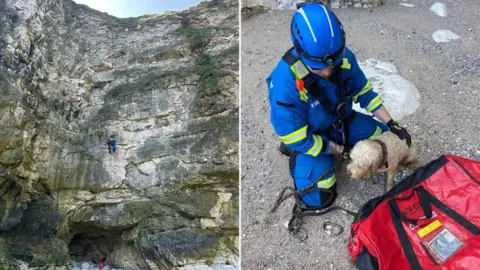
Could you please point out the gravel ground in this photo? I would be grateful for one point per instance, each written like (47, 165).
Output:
(446, 75)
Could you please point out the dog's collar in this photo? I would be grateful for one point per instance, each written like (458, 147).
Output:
(384, 152)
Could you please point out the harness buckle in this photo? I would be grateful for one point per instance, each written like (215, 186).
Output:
(339, 127)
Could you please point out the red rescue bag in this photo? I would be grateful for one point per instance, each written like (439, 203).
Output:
(430, 220)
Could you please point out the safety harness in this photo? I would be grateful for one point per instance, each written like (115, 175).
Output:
(306, 83)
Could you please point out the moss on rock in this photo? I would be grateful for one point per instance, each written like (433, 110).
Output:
(6, 259)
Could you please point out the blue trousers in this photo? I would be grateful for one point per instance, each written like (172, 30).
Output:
(112, 147)
(306, 169)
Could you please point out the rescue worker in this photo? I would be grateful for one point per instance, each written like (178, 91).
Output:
(111, 142)
(311, 93)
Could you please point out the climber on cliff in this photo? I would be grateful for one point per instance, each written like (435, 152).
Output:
(111, 142)
(311, 93)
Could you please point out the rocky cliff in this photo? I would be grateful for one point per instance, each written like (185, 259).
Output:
(283, 4)
(167, 87)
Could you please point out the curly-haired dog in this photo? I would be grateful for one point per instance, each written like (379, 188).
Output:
(386, 152)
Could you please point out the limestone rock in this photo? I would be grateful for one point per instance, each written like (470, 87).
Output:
(179, 247)
(166, 85)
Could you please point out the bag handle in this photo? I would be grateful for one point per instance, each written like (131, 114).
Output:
(424, 203)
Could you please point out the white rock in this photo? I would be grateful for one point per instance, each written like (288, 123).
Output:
(85, 265)
(400, 97)
(444, 36)
(407, 5)
(440, 9)
(335, 4)
(76, 268)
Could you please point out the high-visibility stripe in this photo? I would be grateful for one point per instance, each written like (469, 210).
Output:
(377, 132)
(303, 95)
(295, 136)
(328, 19)
(374, 104)
(317, 146)
(299, 69)
(345, 64)
(327, 183)
(368, 86)
(301, 11)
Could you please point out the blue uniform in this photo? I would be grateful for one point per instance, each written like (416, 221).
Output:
(303, 124)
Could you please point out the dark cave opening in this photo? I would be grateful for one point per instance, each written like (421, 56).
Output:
(85, 248)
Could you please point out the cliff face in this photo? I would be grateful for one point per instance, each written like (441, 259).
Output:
(282, 4)
(166, 85)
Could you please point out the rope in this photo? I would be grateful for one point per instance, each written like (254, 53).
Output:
(298, 212)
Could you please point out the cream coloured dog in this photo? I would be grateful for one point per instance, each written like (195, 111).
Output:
(368, 158)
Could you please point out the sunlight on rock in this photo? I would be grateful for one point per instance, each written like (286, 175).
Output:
(440, 9)
(401, 97)
(444, 36)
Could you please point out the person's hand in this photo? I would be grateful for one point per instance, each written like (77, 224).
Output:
(401, 132)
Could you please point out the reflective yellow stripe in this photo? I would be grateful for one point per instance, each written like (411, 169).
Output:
(327, 183)
(295, 136)
(317, 146)
(365, 89)
(374, 104)
(378, 131)
(299, 69)
(345, 64)
(303, 95)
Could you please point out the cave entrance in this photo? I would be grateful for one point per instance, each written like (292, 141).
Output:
(85, 248)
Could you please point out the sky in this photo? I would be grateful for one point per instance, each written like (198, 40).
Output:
(135, 8)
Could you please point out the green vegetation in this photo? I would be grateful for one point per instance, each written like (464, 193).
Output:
(205, 68)
(197, 38)
(6, 260)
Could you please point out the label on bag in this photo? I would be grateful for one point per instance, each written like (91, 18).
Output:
(444, 244)
(429, 228)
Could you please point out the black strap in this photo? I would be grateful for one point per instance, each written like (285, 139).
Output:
(403, 237)
(310, 83)
(424, 203)
(449, 211)
(337, 77)
(298, 211)
(384, 152)
(467, 172)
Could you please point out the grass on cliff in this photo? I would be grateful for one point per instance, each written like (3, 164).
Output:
(197, 38)
(205, 68)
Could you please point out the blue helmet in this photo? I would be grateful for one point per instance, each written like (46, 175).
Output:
(317, 36)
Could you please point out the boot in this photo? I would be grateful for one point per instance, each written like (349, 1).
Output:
(287, 151)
